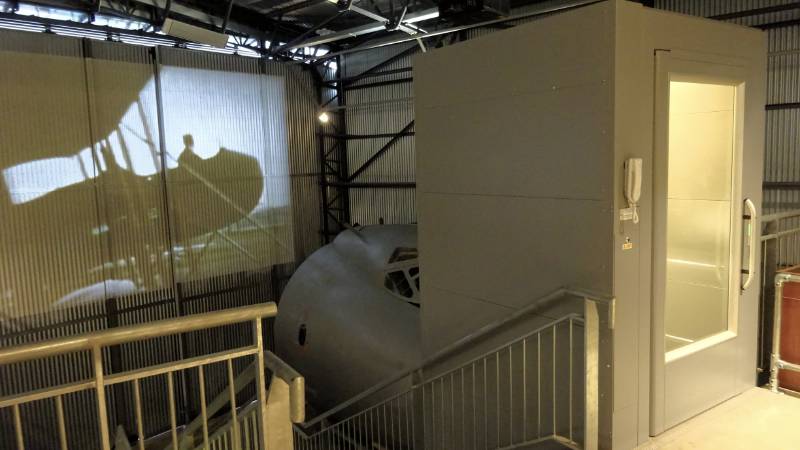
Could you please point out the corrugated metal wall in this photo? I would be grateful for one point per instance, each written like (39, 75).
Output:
(782, 152)
(370, 205)
(393, 205)
(91, 217)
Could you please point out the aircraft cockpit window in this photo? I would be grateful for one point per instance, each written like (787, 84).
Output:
(402, 274)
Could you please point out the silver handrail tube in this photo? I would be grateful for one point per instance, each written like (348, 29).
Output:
(296, 382)
(751, 261)
(776, 362)
(122, 335)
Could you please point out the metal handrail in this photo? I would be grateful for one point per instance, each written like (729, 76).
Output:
(280, 369)
(780, 249)
(121, 335)
(296, 382)
(780, 216)
(402, 420)
(536, 305)
(95, 342)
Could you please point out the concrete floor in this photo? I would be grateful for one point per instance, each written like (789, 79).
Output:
(756, 419)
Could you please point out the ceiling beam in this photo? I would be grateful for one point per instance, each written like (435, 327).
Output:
(419, 16)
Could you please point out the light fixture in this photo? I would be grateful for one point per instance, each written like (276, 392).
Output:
(324, 117)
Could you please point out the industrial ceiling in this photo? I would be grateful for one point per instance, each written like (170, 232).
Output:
(293, 25)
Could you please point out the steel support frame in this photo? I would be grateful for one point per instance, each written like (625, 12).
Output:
(336, 178)
(333, 170)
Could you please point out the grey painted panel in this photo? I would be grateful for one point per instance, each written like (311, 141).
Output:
(509, 250)
(544, 53)
(517, 144)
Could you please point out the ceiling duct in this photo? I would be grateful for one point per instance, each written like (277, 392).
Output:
(192, 33)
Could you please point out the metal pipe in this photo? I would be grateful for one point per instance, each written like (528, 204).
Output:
(62, 427)
(100, 388)
(234, 417)
(18, 428)
(137, 401)
(122, 335)
(42, 394)
(184, 364)
(780, 216)
(261, 392)
(201, 385)
(172, 412)
(296, 382)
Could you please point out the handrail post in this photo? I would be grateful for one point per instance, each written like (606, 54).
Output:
(100, 387)
(775, 357)
(770, 257)
(592, 364)
(261, 392)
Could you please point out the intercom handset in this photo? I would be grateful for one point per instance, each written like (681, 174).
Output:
(633, 189)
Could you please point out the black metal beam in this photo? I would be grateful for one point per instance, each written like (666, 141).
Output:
(351, 87)
(227, 15)
(380, 73)
(781, 185)
(367, 136)
(778, 106)
(292, 8)
(380, 152)
(757, 11)
(375, 184)
(309, 32)
(409, 51)
(782, 24)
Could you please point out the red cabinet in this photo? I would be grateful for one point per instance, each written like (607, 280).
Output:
(790, 332)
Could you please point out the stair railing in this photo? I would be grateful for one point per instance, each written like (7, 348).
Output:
(780, 249)
(96, 342)
(543, 385)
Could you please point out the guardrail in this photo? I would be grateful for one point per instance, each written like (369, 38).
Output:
(776, 363)
(780, 249)
(543, 385)
(96, 342)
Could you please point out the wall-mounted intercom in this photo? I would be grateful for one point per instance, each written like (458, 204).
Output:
(633, 189)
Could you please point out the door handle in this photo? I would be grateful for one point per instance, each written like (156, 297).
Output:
(751, 217)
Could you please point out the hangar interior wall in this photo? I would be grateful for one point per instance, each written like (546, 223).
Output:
(139, 184)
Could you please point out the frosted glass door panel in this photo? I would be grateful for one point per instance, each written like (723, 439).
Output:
(699, 212)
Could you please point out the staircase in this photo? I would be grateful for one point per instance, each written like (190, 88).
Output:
(262, 423)
(540, 390)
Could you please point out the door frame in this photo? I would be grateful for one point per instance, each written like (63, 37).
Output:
(669, 65)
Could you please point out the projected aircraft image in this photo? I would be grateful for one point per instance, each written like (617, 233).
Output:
(100, 212)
